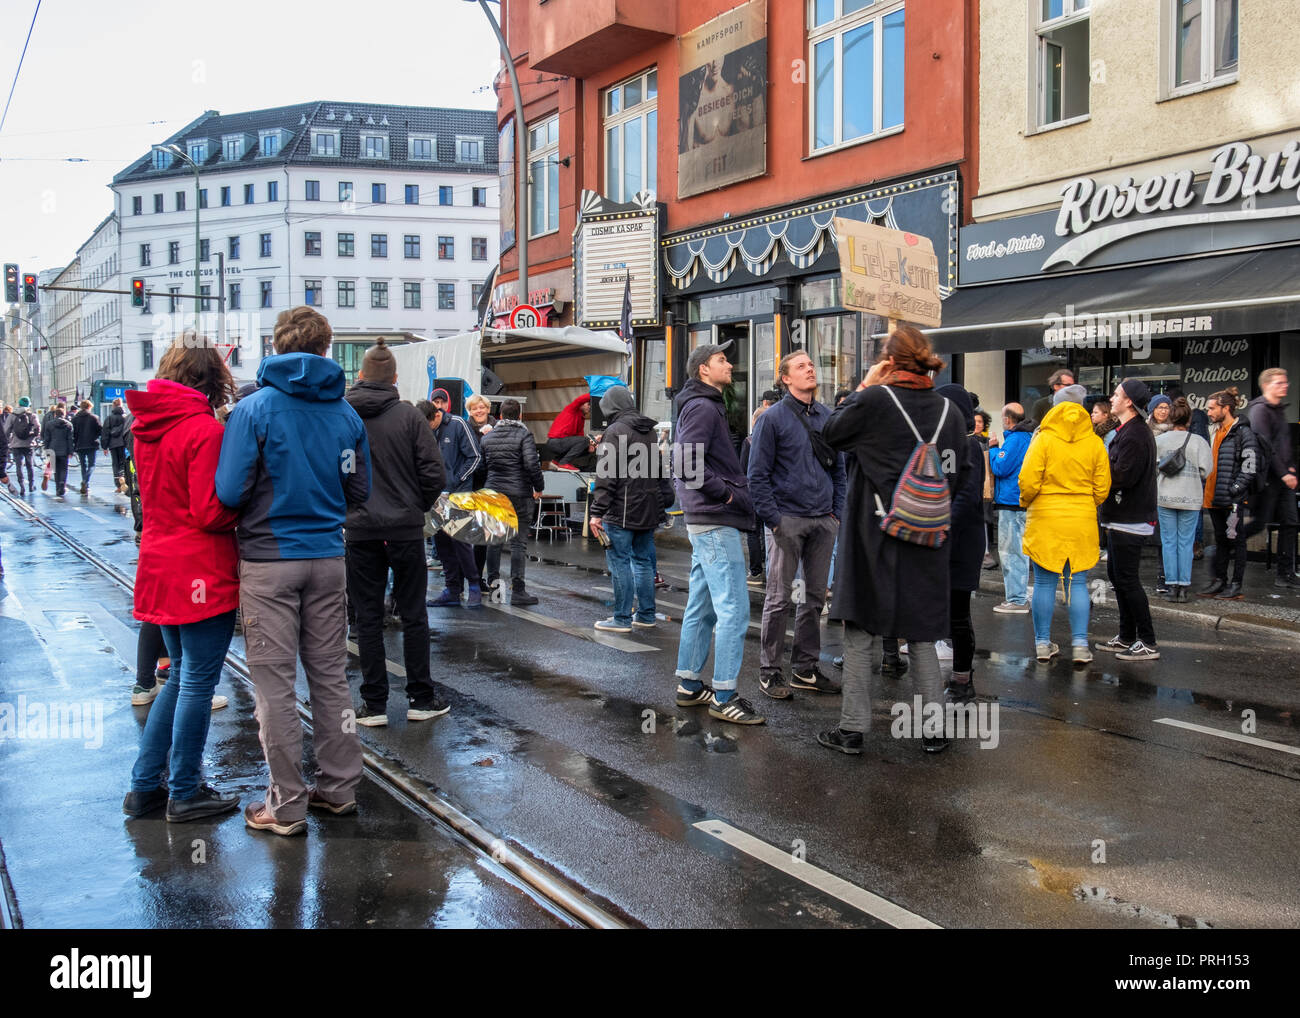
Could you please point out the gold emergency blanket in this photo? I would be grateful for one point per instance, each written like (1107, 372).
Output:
(475, 517)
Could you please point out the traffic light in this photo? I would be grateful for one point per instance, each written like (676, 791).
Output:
(137, 293)
(29, 288)
(11, 283)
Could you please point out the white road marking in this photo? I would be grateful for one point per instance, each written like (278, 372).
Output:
(864, 901)
(591, 635)
(87, 512)
(393, 666)
(1249, 739)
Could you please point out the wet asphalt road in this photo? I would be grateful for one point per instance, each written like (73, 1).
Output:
(1089, 812)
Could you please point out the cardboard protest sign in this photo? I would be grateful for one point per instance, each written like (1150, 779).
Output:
(890, 273)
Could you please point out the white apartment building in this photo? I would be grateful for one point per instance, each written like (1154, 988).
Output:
(100, 350)
(384, 217)
(64, 313)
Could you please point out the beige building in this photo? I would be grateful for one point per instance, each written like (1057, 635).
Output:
(65, 330)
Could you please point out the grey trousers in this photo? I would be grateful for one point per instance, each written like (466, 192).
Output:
(293, 608)
(855, 709)
(809, 540)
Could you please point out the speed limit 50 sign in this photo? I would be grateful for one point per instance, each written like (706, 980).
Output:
(525, 316)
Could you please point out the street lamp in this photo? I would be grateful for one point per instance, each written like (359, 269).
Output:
(179, 153)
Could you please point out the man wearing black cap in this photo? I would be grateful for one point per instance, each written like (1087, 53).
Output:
(1128, 514)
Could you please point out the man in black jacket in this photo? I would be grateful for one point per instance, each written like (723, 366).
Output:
(113, 441)
(632, 492)
(85, 431)
(1128, 514)
(1276, 503)
(387, 531)
(513, 469)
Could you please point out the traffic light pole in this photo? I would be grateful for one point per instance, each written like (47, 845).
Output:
(54, 368)
(25, 365)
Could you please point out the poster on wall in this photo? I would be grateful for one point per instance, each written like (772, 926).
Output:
(722, 101)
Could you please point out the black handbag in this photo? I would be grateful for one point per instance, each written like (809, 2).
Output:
(821, 451)
(1172, 463)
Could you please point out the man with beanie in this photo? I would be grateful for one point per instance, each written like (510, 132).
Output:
(1128, 514)
(460, 460)
(388, 532)
(1069, 394)
(23, 432)
(715, 502)
(514, 469)
(633, 491)
(1059, 380)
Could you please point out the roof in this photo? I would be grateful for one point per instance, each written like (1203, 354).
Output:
(350, 119)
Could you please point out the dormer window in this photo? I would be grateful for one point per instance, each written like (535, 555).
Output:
(161, 159)
(232, 148)
(422, 148)
(198, 151)
(469, 150)
(374, 146)
(268, 143)
(324, 143)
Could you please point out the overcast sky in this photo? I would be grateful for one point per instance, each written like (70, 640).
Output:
(96, 74)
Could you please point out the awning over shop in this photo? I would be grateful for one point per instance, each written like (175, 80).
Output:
(1237, 294)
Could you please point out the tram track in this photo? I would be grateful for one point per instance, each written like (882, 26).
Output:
(531, 877)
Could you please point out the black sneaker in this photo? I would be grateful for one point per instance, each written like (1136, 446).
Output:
(521, 597)
(699, 698)
(1291, 582)
(137, 804)
(1139, 652)
(774, 685)
(893, 668)
(845, 742)
(428, 712)
(958, 691)
(371, 718)
(813, 680)
(737, 710)
(1114, 645)
(207, 802)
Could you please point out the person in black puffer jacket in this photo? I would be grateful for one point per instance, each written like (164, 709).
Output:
(1235, 462)
(1276, 502)
(113, 441)
(513, 468)
(60, 440)
(86, 430)
(632, 493)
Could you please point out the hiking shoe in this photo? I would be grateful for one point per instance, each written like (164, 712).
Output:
(474, 598)
(774, 685)
(612, 625)
(1011, 608)
(137, 804)
(1114, 645)
(207, 802)
(445, 600)
(814, 680)
(1139, 652)
(371, 718)
(737, 710)
(141, 696)
(1046, 651)
(434, 710)
(315, 801)
(1080, 655)
(699, 698)
(258, 818)
(521, 597)
(845, 742)
(638, 624)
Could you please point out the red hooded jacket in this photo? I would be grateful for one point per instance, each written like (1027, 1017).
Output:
(570, 421)
(189, 560)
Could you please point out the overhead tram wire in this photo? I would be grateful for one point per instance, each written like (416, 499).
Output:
(18, 69)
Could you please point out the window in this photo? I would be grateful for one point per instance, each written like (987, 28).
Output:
(225, 197)
(268, 348)
(444, 194)
(411, 245)
(233, 362)
(421, 148)
(180, 201)
(248, 194)
(480, 197)
(374, 146)
(446, 248)
(379, 295)
(347, 245)
(1061, 60)
(157, 203)
(205, 250)
(144, 254)
(475, 293)
(469, 150)
(379, 245)
(205, 290)
(146, 352)
(324, 143)
(266, 293)
(857, 67)
(478, 249)
(198, 151)
(412, 194)
(378, 193)
(410, 295)
(173, 299)
(347, 293)
(137, 205)
(311, 292)
(345, 190)
(631, 133)
(264, 245)
(173, 252)
(233, 303)
(270, 143)
(311, 244)
(233, 245)
(161, 159)
(312, 191)
(446, 296)
(203, 197)
(543, 178)
(1204, 41)
(232, 149)
(272, 190)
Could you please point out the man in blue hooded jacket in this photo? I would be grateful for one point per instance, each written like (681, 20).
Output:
(295, 458)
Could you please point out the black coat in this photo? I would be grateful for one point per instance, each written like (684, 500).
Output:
(513, 467)
(633, 488)
(114, 434)
(406, 472)
(967, 536)
(1239, 458)
(59, 438)
(85, 431)
(1132, 497)
(1270, 426)
(883, 585)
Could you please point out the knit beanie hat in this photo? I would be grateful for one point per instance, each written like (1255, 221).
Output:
(1070, 394)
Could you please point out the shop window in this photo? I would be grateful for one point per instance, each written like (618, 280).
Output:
(832, 343)
(653, 380)
(1062, 61)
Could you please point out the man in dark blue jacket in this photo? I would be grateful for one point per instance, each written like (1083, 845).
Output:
(460, 458)
(295, 458)
(714, 496)
(800, 499)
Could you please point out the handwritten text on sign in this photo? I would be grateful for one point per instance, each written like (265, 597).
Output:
(890, 273)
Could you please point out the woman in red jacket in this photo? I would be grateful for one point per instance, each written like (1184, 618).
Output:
(187, 577)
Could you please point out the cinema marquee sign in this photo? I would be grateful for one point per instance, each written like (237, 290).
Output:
(1245, 200)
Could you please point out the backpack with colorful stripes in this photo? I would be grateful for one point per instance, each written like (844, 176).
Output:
(922, 506)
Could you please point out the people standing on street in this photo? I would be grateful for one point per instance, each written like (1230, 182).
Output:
(60, 439)
(187, 577)
(633, 491)
(1006, 456)
(295, 458)
(715, 500)
(113, 441)
(515, 470)
(797, 484)
(387, 532)
(1058, 381)
(1276, 503)
(885, 584)
(23, 432)
(1183, 463)
(86, 430)
(460, 460)
(1128, 514)
(1235, 463)
(1064, 478)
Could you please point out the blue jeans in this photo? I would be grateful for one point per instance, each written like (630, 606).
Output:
(718, 597)
(86, 461)
(1045, 584)
(1015, 563)
(178, 719)
(1177, 536)
(631, 561)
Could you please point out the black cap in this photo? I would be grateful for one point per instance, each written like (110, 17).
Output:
(701, 354)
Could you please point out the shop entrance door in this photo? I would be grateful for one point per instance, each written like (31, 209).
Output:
(737, 397)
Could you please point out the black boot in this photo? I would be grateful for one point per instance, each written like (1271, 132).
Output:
(1232, 592)
(520, 596)
(1216, 585)
(960, 688)
(893, 666)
